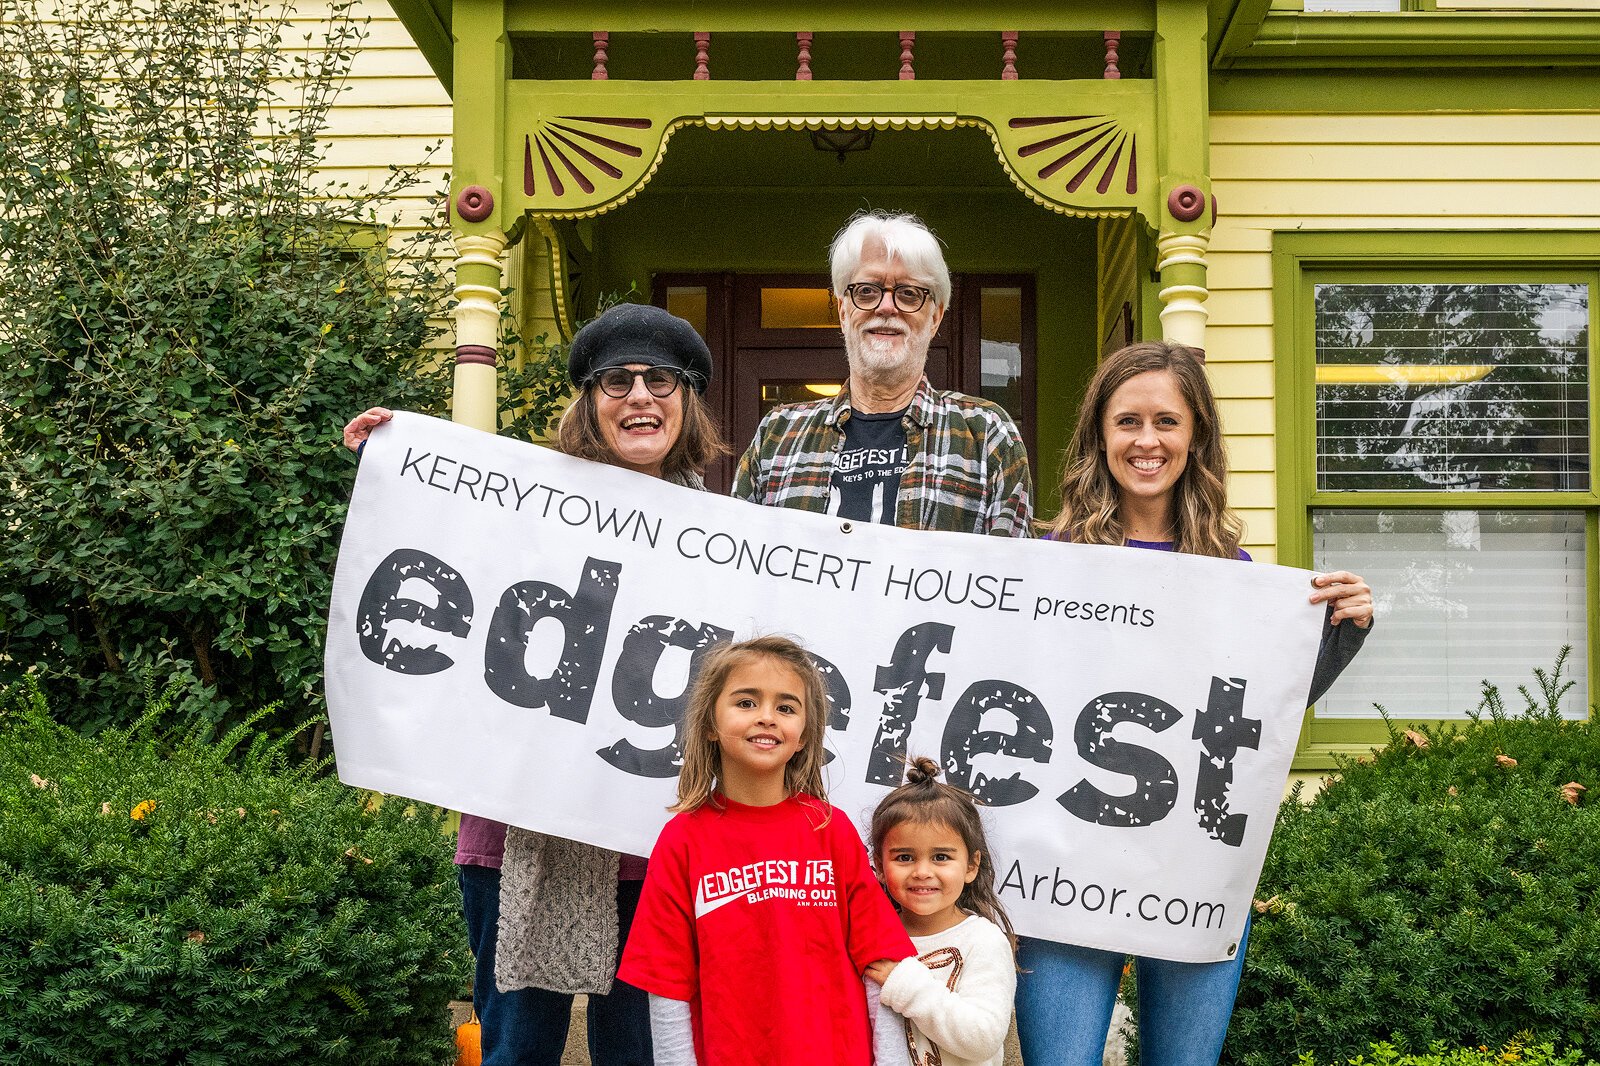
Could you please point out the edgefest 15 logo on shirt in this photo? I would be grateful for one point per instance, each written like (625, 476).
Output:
(808, 883)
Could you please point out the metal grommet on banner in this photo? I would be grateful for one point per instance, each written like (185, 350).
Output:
(845, 527)
(1231, 949)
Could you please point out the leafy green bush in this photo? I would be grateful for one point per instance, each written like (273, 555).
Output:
(1446, 889)
(1514, 1053)
(187, 318)
(166, 902)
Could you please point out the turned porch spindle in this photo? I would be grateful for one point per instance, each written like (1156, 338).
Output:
(1008, 55)
(702, 57)
(908, 42)
(1113, 38)
(802, 70)
(601, 40)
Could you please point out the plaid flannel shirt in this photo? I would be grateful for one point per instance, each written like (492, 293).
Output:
(968, 470)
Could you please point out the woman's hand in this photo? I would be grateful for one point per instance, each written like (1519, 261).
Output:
(359, 428)
(879, 971)
(1349, 594)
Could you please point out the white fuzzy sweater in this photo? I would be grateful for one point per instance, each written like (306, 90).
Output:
(968, 1023)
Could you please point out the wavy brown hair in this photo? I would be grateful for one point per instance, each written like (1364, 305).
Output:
(1203, 524)
(702, 753)
(699, 440)
(925, 800)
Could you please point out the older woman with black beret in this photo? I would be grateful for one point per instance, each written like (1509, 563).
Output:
(547, 917)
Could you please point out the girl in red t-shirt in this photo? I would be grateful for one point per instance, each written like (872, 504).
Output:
(760, 911)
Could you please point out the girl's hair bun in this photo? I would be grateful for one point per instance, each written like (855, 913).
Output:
(921, 770)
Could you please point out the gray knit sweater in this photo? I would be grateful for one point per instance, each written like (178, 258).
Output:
(558, 908)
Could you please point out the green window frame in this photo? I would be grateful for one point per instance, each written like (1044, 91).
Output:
(1302, 260)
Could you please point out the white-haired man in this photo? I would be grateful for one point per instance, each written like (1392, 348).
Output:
(890, 448)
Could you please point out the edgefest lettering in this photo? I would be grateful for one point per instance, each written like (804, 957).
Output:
(584, 614)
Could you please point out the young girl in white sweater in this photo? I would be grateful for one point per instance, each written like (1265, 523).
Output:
(951, 1004)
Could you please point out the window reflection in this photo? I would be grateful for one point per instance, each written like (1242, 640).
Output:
(1000, 330)
(1452, 387)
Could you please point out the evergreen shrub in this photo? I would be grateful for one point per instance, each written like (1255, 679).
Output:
(184, 901)
(1444, 890)
(1514, 1053)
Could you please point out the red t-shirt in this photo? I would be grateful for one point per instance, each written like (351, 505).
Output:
(763, 918)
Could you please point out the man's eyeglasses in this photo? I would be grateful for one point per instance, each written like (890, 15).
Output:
(617, 381)
(867, 295)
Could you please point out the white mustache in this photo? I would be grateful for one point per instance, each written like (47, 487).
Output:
(878, 322)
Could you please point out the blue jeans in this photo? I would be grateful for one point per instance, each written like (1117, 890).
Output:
(1065, 995)
(528, 1027)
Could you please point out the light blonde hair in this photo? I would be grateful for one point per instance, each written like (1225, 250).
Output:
(702, 753)
(1203, 524)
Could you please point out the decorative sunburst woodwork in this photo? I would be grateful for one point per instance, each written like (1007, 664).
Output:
(1082, 149)
(580, 160)
(592, 146)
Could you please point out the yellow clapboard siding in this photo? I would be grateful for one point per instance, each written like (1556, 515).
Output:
(1367, 162)
(1289, 223)
(1308, 199)
(1254, 417)
(1502, 129)
(1251, 489)
(1251, 453)
(1241, 307)
(1238, 344)
(416, 124)
(1238, 235)
(1237, 379)
(1238, 270)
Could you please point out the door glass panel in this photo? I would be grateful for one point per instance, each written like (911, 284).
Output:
(688, 302)
(798, 309)
(774, 394)
(1000, 327)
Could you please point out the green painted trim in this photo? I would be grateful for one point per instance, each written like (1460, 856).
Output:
(1405, 91)
(1431, 501)
(1593, 555)
(545, 122)
(1420, 39)
(432, 34)
(740, 16)
(1302, 258)
(1183, 118)
(1242, 26)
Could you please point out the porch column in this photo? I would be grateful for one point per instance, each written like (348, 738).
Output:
(1181, 259)
(477, 321)
(478, 217)
(1183, 117)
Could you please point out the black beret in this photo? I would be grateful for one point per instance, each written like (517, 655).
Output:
(639, 333)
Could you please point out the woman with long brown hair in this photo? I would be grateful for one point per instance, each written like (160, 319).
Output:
(547, 917)
(1146, 469)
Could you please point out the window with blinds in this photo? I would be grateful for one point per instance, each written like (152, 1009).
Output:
(1452, 387)
(1464, 596)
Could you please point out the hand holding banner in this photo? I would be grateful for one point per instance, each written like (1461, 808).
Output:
(513, 631)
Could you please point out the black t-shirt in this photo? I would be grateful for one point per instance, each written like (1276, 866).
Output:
(867, 469)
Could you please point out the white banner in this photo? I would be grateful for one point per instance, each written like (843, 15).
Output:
(512, 631)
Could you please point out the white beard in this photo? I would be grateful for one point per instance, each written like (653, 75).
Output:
(890, 357)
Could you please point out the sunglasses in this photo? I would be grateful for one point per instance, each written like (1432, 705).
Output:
(617, 381)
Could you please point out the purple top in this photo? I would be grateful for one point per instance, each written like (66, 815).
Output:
(482, 842)
(1153, 545)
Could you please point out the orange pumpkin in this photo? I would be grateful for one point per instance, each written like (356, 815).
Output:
(469, 1043)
